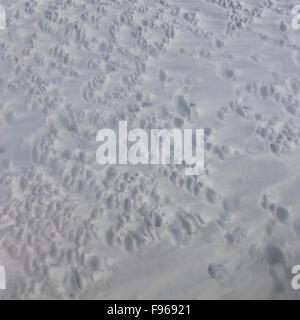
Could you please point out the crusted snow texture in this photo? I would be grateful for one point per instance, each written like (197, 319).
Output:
(73, 229)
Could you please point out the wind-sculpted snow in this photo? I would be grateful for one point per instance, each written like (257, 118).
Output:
(73, 229)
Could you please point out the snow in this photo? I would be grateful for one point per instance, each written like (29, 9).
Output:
(71, 228)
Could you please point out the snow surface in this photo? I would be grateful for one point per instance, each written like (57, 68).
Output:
(73, 229)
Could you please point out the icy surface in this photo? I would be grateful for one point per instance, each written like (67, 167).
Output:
(73, 229)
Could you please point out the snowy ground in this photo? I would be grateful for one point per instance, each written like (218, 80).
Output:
(73, 229)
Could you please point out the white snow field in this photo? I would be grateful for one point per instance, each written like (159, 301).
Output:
(73, 229)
